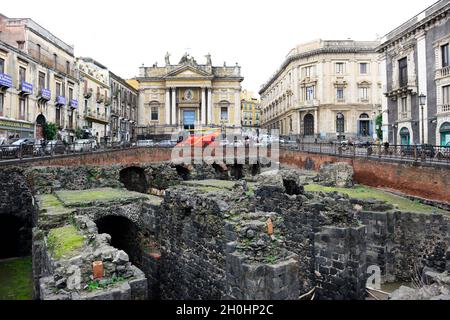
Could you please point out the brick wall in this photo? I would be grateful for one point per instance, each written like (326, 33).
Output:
(430, 182)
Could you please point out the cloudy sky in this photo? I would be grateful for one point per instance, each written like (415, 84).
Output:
(123, 35)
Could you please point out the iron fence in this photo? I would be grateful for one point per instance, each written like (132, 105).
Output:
(415, 153)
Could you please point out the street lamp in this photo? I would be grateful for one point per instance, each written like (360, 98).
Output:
(422, 102)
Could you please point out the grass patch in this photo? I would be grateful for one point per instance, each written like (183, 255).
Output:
(49, 201)
(16, 282)
(364, 192)
(86, 197)
(64, 241)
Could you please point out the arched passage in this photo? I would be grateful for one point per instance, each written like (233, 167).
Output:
(14, 237)
(183, 172)
(124, 235)
(237, 171)
(134, 179)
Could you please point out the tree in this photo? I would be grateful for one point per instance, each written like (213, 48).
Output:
(379, 123)
(79, 133)
(50, 130)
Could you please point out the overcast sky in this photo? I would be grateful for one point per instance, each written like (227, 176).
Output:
(257, 34)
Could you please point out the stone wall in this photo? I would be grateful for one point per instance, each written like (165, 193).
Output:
(402, 243)
(340, 263)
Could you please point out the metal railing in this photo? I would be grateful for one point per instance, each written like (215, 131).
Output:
(27, 151)
(415, 153)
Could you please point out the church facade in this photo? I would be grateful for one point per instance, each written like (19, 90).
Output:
(189, 96)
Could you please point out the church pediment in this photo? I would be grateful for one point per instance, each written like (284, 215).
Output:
(188, 72)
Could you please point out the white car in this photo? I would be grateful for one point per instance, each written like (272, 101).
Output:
(145, 143)
(83, 145)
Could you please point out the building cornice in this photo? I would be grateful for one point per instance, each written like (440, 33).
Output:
(410, 27)
(319, 51)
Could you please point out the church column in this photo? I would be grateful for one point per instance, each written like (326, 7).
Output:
(210, 113)
(167, 108)
(203, 107)
(237, 108)
(174, 104)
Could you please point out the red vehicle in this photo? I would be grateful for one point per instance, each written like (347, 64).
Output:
(200, 140)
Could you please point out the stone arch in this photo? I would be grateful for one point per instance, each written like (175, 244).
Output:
(134, 179)
(15, 237)
(183, 172)
(124, 235)
(237, 171)
(17, 214)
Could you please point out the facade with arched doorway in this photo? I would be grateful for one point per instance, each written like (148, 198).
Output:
(189, 95)
(328, 83)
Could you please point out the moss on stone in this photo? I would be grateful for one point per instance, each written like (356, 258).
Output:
(63, 242)
(85, 197)
(16, 282)
(49, 201)
(364, 192)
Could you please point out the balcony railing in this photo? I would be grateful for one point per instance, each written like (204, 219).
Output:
(444, 108)
(100, 98)
(310, 103)
(87, 93)
(443, 72)
(97, 117)
(404, 115)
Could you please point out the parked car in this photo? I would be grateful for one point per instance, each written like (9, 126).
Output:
(418, 150)
(443, 152)
(54, 147)
(363, 144)
(84, 145)
(145, 143)
(166, 143)
(26, 147)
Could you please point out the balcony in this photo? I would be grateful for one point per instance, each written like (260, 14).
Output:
(88, 93)
(404, 116)
(44, 94)
(309, 103)
(107, 101)
(73, 103)
(442, 73)
(97, 117)
(5, 81)
(100, 98)
(444, 108)
(60, 101)
(25, 88)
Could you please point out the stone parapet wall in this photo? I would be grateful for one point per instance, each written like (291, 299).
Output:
(402, 243)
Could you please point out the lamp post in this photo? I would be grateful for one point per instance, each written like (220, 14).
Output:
(422, 102)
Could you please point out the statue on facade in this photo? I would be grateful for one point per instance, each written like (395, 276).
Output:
(208, 59)
(167, 59)
(184, 58)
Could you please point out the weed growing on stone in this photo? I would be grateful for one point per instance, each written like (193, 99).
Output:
(93, 285)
